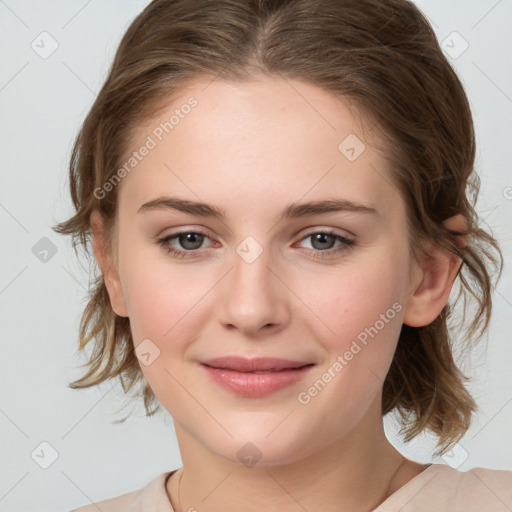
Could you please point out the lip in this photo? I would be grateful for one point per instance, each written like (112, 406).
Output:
(237, 374)
(243, 364)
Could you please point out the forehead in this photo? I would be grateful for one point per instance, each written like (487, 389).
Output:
(273, 138)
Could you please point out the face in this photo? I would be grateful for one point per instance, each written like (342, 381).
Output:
(326, 289)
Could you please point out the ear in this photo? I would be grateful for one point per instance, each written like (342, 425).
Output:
(433, 279)
(103, 256)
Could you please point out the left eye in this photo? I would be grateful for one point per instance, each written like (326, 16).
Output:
(322, 243)
(325, 240)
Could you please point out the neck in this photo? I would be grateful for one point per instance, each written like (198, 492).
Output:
(360, 471)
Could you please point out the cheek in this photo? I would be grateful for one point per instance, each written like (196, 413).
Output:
(348, 301)
(365, 313)
(160, 303)
(360, 311)
(160, 297)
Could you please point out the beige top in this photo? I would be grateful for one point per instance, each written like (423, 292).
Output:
(438, 488)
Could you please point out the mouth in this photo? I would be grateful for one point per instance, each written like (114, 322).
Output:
(255, 365)
(255, 378)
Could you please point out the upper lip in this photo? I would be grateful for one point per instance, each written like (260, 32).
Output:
(242, 364)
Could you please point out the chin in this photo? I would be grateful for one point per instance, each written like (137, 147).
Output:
(257, 445)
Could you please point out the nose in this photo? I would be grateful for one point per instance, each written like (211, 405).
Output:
(255, 298)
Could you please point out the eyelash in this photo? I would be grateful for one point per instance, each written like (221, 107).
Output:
(346, 244)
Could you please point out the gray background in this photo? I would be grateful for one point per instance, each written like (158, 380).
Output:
(42, 102)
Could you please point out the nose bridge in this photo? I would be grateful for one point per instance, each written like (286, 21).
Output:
(252, 270)
(254, 296)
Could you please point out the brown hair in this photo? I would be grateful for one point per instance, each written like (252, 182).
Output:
(383, 56)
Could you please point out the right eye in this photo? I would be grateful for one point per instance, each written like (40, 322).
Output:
(190, 242)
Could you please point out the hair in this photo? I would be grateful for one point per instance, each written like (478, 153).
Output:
(382, 56)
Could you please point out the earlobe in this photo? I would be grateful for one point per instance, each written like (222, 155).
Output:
(434, 278)
(110, 273)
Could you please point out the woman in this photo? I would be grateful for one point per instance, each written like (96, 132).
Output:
(231, 141)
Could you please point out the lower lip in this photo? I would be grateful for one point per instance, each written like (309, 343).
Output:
(256, 385)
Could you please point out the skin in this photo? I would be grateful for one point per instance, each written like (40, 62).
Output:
(277, 140)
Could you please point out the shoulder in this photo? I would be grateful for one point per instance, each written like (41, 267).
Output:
(478, 484)
(151, 497)
(441, 487)
(123, 502)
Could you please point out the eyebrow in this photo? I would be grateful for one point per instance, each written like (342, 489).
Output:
(292, 211)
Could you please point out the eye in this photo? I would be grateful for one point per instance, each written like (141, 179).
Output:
(322, 243)
(189, 240)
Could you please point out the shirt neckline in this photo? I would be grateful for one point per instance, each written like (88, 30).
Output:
(388, 501)
(402, 490)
